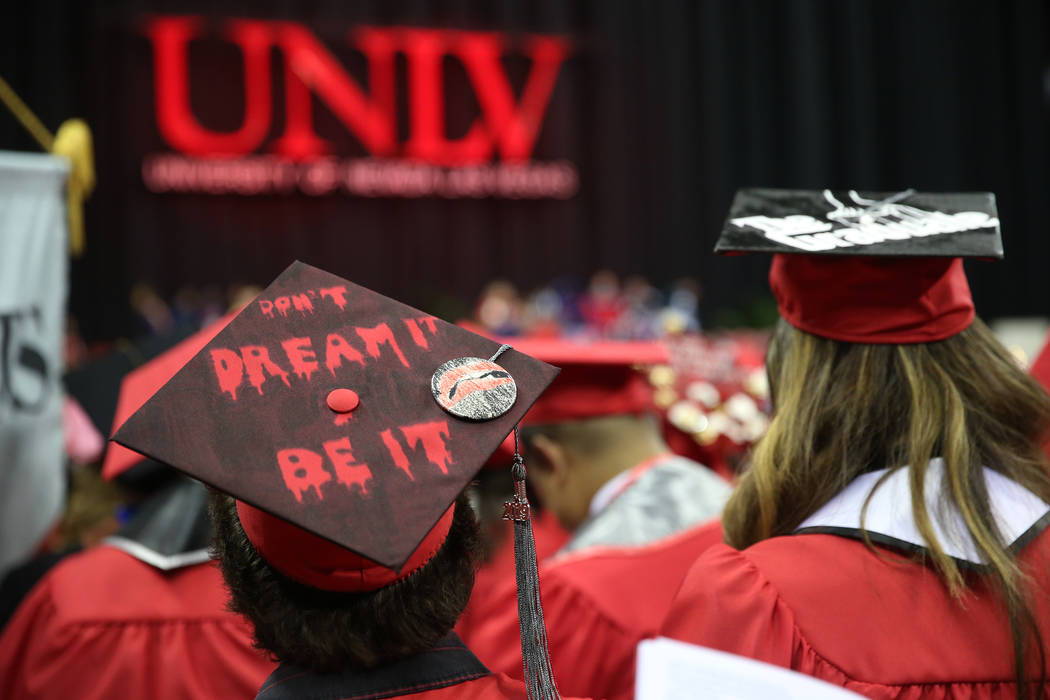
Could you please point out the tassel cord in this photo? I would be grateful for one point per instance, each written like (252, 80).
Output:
(535, 654)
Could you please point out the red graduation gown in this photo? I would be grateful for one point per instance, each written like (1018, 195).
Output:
(879, 625)
(104, 625)
(598, 604)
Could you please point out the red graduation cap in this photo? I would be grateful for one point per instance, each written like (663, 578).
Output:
(867, 267)
(344, 423)
(598, 378)
(141, 383)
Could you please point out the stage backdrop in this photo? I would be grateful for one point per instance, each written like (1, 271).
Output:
(422, 148)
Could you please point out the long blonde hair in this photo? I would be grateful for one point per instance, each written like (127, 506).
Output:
(842, 409)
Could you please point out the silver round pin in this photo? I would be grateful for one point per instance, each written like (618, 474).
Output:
(473, 388)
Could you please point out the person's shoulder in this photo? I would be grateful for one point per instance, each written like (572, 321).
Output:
(694, 473)
(811, 561)
(606, 580)
(599, 560)
(774, 568)
(105, 584)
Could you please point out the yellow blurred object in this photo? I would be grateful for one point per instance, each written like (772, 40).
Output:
(662, 376)
(73, 141)
(664, 397)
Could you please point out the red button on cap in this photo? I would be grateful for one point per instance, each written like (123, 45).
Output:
(343, 400)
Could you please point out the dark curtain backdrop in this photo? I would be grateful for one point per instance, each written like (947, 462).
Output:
(666, 107)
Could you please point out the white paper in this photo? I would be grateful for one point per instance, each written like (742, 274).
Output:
(673, 670)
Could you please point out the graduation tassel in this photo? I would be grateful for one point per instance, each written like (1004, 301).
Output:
(535, 656)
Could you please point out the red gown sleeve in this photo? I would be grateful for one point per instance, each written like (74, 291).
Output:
(726, 603)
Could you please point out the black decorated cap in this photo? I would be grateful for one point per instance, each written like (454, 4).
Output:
(319, 404)
(827, 222)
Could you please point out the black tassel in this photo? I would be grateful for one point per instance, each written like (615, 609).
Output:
(535, 655)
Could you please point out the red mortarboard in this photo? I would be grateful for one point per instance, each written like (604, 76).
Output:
(142, 383)
(871, 267)
(318, 404)
(598, 378)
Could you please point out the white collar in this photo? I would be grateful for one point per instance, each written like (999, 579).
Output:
(1016, 509)
(608, 492)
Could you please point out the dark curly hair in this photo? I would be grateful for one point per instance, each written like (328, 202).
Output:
(328, 631)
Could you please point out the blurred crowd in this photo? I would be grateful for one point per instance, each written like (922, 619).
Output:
(603, 307)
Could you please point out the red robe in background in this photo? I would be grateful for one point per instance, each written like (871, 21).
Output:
(613, 582)
(875, 622)
(492, 576)
(1040, 368)
(104, 625)
(598, 604)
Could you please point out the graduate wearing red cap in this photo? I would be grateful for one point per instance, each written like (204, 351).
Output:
(890, 535)
(143, 614)
(338, 429)
(638, 517)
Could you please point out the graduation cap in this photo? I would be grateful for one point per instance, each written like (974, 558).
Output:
(141, 383)
(867, 267)
(343, 422)
(598, 378)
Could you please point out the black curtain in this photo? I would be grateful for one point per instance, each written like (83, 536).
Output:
(665, 107)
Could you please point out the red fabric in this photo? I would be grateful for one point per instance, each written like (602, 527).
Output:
(102, 625)
(598, 604)
(610, 353)
(872, 622)
(1040, 368)
(315, 561)
(582, 392)
(493, 575)
(140, 384)
(596, 379)
(1040, 371)
(873, 299)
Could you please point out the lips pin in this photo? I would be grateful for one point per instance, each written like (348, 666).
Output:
(473, 388)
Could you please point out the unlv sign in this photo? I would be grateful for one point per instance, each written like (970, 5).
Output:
(493, 158)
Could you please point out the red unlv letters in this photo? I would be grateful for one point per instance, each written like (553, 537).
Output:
(508, 125)
(269, 368)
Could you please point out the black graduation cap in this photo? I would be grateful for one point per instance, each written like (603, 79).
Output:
(905, 224)
(867, 267)
(343, 412)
